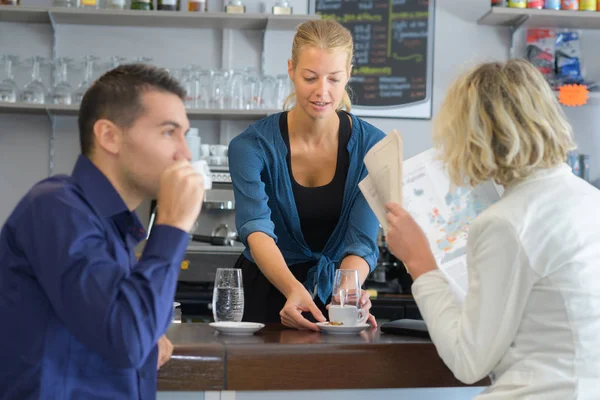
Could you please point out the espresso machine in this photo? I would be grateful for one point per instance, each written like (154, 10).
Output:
(213, 244)
(390, 275)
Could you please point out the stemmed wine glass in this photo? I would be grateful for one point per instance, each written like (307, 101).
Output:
(62, 92)
(35, 91)
(9, 91)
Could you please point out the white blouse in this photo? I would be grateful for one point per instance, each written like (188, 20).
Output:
(531, 317)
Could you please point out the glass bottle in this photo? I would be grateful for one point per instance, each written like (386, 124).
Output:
(142, 5)
(10, 2)
(168, 5)
(197, 5)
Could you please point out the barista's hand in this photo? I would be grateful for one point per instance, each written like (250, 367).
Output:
(165, 349)
(299, 301)
(365, 304)
(180, 196)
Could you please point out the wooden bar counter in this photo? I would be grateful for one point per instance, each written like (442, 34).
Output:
(277, 358)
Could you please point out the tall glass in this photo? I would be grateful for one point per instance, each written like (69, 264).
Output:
(228, 295)
(345, 304)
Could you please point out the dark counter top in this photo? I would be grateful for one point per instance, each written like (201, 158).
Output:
(276, 358)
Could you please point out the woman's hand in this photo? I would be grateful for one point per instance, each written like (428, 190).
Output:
(365, 304)
(299, 301)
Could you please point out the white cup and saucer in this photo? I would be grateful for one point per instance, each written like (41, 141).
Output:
(345, 320)
(345, 315)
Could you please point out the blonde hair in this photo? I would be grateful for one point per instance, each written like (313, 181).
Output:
(322, 34)
(501, 122)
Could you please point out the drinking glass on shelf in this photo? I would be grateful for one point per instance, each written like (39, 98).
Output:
(235, 89)
(251, 87)
(62, 92)
(9, 91)
(190, 83)
(268, 93)
(88, 78)
(283, 89)
(228, 295)
(203, 82)
(218, 88)
(35, 91)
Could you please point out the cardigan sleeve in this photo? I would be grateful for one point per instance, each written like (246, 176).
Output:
(246, 164)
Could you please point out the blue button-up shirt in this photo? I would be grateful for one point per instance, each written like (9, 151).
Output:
(81, 316)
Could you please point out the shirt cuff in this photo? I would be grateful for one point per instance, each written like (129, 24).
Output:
(265, 226)
(166, 243)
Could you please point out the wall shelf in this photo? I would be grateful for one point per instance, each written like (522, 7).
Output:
(533, 18)
(72, 110)
(138, 18)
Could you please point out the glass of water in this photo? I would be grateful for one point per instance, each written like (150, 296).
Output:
(228, 295)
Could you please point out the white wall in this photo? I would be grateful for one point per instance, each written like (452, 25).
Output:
(459, 41)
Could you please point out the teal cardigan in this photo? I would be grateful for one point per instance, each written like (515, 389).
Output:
(265, 201)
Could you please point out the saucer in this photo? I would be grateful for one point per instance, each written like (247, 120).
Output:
(237, 328)
(342, 329)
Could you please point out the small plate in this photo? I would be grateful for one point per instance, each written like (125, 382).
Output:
(237, 328)
(342, 329)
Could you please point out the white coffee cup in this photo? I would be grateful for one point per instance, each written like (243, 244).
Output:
(201, 167)
(219, 150)
(204, 150)
(347, 315)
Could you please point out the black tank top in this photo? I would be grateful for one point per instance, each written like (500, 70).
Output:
(319, 208)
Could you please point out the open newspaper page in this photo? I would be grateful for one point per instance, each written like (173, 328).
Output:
(444, 212)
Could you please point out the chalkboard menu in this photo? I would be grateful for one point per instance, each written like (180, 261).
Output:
(393, 54)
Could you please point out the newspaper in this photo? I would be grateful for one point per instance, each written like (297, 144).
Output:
(442, 210)
(384, 181)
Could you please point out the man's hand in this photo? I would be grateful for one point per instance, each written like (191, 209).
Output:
(165, 349)
(180, 196)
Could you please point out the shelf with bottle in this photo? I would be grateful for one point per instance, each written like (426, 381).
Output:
(73, 110)
(544, 18)
(151, 18)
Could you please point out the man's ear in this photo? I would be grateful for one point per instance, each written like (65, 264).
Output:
(108, 136)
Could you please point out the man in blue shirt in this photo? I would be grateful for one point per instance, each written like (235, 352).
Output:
(81, 315)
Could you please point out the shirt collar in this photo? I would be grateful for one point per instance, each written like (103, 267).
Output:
(104, 197)
(542, 173)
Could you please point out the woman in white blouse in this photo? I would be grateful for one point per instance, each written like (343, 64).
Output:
(531, 318)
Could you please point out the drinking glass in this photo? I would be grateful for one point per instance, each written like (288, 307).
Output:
(35, 91)
(62, 92)
(9, 91)
(228, 295)
(345, 300)
(88, 77)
